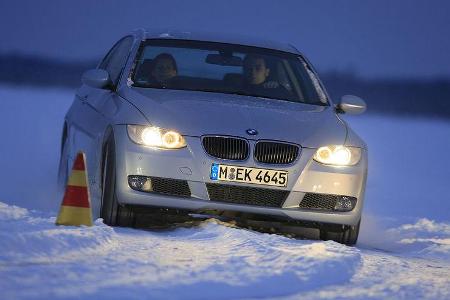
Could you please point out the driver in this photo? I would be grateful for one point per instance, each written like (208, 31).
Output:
(164, 68)
(256, 73)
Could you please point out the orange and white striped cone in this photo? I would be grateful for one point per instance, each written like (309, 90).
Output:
(76, 208)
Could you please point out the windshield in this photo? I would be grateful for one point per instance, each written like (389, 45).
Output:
(226, 68)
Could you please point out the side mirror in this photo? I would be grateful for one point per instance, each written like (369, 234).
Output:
(351, 104)
(96, 78)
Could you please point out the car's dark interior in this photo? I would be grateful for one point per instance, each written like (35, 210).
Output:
(229, 83)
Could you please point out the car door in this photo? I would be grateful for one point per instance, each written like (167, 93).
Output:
(114, 63)
(90, 120)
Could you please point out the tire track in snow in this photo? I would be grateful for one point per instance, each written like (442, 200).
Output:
(210, 257)
(386, 276)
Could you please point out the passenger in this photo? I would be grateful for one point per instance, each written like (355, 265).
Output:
(256, 74)
(164, 68)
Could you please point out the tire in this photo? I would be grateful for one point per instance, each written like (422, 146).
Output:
(112, 213)
(347, 235)
(63, 169)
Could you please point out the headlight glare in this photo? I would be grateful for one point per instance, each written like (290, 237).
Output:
(338, 155)
(155, 137)
(171, 139)
(151, 136)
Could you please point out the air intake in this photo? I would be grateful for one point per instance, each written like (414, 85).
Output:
(328, 202)
(246, 195)
(165, 186)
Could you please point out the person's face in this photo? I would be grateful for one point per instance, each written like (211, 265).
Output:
(255, 71)
(164, 70)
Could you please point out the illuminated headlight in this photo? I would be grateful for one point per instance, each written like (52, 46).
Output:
(338, 155)
(155, 137)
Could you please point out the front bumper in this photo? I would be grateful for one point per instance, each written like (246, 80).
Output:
(193, 164)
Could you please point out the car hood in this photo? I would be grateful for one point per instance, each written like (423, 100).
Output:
(195, 113)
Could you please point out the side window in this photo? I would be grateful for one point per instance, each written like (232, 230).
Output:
(116, 59)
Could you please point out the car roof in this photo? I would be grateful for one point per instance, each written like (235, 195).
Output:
(214, 37)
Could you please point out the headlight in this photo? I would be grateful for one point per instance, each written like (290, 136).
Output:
(155, 137)
(338, 155)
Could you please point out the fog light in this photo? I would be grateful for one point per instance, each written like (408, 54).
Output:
(345, 203)
(140, 183)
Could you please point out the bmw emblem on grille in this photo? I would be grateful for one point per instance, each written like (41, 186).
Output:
(251, 131)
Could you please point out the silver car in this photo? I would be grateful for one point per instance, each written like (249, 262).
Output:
(204, 123)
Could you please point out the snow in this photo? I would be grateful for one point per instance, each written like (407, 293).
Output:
(31, 126)
(425, 237)
(403, 251)
(409, 166)
(11, 212)
(214, 258)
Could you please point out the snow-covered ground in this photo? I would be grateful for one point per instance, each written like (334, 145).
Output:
(403, 251)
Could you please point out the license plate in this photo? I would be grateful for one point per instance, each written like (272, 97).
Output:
(249, 175)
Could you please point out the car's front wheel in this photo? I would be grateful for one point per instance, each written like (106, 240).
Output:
(63, 169)
(112, 212)
(344, 234)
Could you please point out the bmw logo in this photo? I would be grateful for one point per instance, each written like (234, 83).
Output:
(252, 132)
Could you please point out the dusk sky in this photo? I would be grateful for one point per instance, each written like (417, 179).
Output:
(374, 39)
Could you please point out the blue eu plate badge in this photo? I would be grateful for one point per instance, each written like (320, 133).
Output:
(214, 171)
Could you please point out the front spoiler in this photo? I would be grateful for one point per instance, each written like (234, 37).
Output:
(132, 197)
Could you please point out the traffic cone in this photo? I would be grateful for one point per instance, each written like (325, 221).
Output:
(75, 208)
